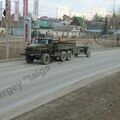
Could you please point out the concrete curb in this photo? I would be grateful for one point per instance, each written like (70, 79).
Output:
(16, 59)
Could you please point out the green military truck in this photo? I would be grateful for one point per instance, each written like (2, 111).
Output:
(47, 49)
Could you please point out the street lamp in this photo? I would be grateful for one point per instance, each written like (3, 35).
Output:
(114, 6)
(114, 19)
(7, 42)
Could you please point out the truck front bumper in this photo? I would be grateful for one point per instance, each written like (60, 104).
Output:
(36, 55)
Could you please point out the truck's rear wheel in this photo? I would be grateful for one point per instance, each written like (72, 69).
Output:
(29, 59)
(63, 56)
(69, 55)
(45, 59)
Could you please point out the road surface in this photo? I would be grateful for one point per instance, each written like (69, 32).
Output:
(25, 86)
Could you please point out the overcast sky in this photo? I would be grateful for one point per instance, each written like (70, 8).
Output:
(50, 6)
(81, 4)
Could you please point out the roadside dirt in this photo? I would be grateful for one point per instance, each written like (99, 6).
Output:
(97, 101)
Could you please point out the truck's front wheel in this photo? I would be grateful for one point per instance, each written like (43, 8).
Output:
(29, 59)
(45, 58)
(63, 56)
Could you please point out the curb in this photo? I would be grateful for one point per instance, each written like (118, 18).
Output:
(8, 60)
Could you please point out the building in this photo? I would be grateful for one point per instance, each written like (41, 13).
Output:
(88, 14)
(54, 28)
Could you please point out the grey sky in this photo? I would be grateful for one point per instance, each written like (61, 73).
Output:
(81, 4)
(50, 6)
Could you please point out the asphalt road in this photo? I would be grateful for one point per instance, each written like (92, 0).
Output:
(25, 86)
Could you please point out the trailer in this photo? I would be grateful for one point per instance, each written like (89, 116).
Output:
(82, 50)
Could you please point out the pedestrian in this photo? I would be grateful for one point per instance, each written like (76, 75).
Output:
(117, 39)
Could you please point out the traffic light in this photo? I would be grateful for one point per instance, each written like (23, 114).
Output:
(4, 13)
(6, 8)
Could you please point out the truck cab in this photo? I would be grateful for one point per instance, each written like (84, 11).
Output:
(39, 48)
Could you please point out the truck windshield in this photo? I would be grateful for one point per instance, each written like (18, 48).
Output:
(40, 41)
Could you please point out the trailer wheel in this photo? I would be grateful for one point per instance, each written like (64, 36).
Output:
(75, 54)
(29, 59)
(63, 56)
(69, 55)
(88, 54)
(45, 59)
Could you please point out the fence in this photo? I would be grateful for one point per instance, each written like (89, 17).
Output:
(16, 47)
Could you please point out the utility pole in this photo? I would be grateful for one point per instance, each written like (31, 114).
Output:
(6, 20)
(114, 19)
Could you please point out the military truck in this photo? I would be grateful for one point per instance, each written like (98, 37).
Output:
(46, 49)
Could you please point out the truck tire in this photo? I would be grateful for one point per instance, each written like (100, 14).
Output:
(29, 59)
(69, 55)
(63, 56)
(88, 54)
(45, 58)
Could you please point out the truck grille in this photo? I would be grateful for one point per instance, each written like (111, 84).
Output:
(30, 50)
